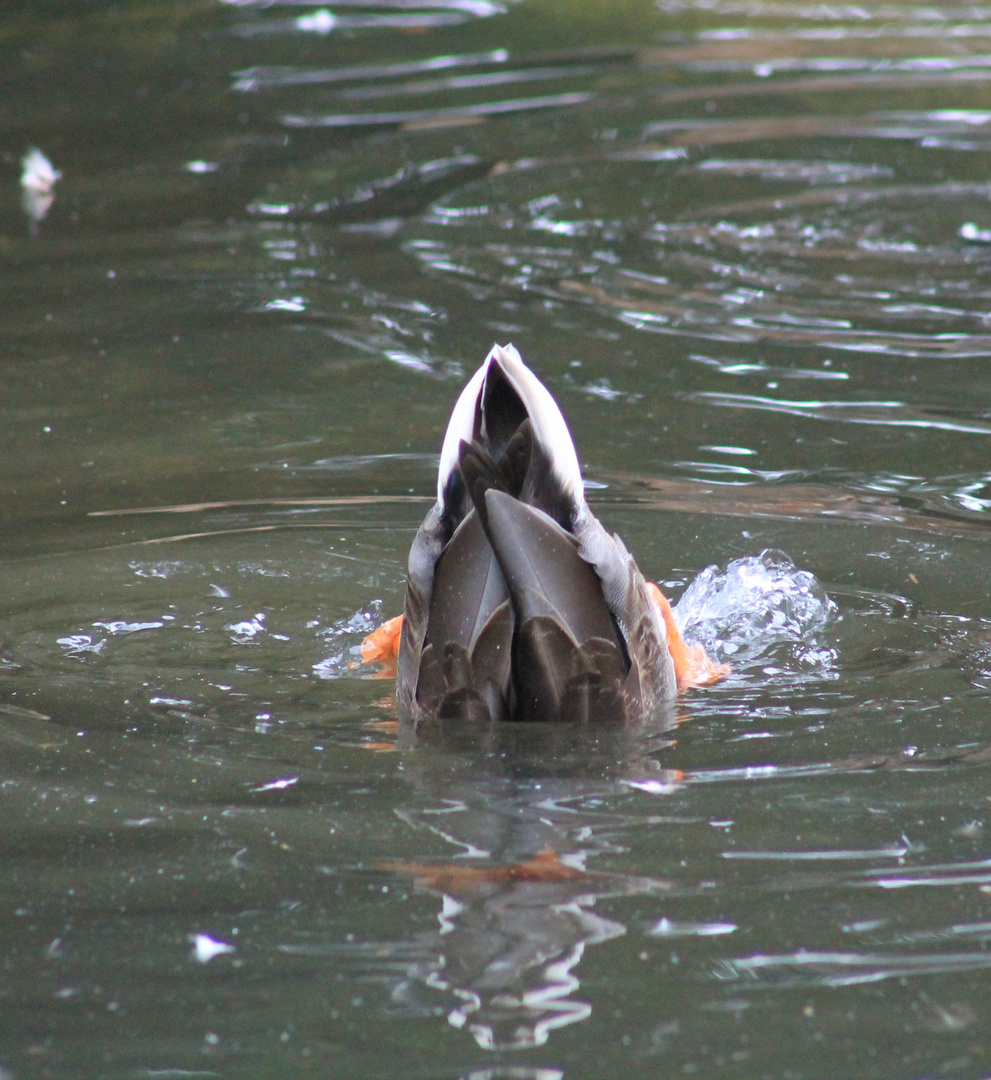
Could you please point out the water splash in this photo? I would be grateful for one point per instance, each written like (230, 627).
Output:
(344, 637)
(758, 606)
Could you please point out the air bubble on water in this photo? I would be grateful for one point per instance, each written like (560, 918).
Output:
(758, 607)
(345, 636)
(245, 631)
(79, 644)
(156, 570)
(120, 626)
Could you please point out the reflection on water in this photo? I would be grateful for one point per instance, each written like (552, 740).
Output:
(511, 934)
(745, 243)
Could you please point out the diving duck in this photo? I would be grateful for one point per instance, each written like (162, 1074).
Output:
(520, 605)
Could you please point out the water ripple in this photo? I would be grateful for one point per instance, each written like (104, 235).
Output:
(423, 116)
(832, 969)
(410, 15)
(883, 413)
(254, 79)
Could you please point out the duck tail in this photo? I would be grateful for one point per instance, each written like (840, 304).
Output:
(499, 398)
(481, 471)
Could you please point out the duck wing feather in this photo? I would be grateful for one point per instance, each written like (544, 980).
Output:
(459, 663)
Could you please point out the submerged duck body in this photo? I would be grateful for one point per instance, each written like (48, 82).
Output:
(519, 604)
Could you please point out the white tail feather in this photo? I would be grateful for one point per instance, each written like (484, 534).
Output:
(549, 426)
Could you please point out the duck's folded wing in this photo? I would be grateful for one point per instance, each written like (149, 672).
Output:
(637, 616)
(463, 664)
(543, 570)
(468, 587)
(569, 661)
(423, 556)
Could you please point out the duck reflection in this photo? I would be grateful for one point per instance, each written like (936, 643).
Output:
(515, 901)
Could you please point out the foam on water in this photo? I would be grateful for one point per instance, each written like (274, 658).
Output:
(758, 607)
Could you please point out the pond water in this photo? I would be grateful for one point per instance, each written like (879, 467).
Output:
(747, 245)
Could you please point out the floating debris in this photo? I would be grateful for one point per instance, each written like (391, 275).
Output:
(38, 180)
(205, 948)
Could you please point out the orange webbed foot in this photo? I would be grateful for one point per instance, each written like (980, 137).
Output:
(381, 646)
(691, 665)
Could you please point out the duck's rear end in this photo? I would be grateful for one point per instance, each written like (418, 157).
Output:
(519, 605)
